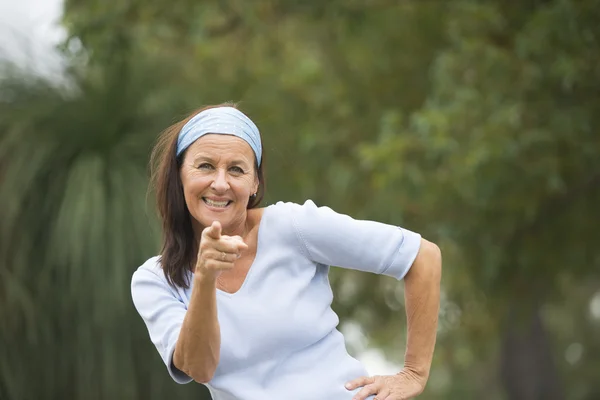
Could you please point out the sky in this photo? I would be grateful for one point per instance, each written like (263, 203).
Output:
(29, 32)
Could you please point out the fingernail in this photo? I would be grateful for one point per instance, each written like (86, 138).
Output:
(348, 386)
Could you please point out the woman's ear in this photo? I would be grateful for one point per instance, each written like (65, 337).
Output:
(256, 184)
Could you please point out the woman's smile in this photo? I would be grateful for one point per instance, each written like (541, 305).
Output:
(217, 204)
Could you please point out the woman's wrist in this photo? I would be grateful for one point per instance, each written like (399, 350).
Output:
(204, 278)
(417, 371)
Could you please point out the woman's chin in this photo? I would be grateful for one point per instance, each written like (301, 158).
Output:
(208, 215)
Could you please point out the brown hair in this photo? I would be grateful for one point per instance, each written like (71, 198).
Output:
(179, 248)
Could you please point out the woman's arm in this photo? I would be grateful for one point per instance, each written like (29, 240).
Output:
(334, 239)
(422, 297)
(198, 346)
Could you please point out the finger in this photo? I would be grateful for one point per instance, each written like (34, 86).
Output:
(213, 231)
(359, 382)
(236, 238)
(366, 391)
(222, 256)
(239, 242)
(228, 246)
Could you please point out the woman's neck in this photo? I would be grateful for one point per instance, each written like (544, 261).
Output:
(240, 228)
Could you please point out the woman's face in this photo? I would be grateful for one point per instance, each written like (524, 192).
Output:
(218, 178)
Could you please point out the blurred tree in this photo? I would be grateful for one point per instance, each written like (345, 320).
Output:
(502, 161)
(73, 225)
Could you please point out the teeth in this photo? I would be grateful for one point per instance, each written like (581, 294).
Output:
(216, 203)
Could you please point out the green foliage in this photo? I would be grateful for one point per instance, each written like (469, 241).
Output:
(507, 138)
(502, 159)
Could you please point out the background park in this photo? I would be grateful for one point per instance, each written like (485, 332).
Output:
(473, 122)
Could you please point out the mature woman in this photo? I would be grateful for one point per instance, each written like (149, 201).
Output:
(239, 299)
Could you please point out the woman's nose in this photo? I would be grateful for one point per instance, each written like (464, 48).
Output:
(220, 183)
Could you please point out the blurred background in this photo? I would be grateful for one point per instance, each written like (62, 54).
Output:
(475, 123)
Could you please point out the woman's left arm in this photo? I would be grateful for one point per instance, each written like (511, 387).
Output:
(422, 297)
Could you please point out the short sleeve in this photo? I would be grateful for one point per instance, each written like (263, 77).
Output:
(163, 313)
(339, 240)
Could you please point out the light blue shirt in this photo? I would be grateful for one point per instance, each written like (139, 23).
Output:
(279, 337)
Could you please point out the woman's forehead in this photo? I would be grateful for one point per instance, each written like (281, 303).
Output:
(219, 146)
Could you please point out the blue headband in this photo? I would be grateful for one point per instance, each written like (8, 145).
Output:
(220, 120)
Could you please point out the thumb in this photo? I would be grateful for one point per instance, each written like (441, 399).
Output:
(214, 230)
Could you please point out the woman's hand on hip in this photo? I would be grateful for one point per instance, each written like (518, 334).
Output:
(403, 386)
(217, 252)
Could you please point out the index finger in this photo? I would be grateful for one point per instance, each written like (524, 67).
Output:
(214, 230)
(359, 382)
(236, 241)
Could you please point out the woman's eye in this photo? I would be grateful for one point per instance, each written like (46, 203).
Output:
(205, 166)
(237, 170)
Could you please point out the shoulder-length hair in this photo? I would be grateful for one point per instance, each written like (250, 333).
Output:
(179, 246)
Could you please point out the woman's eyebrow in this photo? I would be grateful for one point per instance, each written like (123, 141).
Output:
(236, 161)
(202, 158)
(239, 162)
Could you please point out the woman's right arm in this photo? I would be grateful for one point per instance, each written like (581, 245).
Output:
(197, 349)
(199, 343)
(188, 339)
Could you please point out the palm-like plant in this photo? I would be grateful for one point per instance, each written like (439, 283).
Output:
(74, 224)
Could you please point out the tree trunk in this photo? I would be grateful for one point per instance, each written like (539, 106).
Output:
(528, 370)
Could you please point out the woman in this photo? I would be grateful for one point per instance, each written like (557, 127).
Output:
(239, 299)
